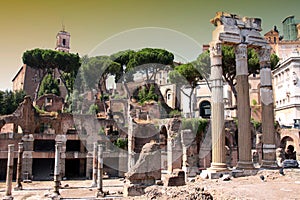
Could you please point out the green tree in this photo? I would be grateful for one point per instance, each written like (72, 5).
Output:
(45, 60)
(123, 58)
(49, 86)
(146, 94)
(9, 101)
(149, 61)
(96, 71)
(186, 75)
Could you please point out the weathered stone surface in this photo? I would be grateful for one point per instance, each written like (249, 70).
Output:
(177, 178)
(133, 190)
(147, 168)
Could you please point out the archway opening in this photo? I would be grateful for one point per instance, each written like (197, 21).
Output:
(205, 109)
(288, 145)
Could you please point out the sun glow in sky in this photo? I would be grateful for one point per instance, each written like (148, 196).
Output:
(101, 25)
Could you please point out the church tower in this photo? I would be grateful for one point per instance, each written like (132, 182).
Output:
(63, 41)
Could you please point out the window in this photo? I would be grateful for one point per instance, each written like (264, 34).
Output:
(169, 96)
(64, 42)
(48, 101)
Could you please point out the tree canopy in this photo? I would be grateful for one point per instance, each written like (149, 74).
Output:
(96, 70)
(9, 101)
(47, 60)
(188, 75)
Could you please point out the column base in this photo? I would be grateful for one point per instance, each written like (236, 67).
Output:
(215, 171)
(18, 187)
(243, 172)
(8, 198)
(269, 164)
(94, 184)
(245, 165)
(218, 167)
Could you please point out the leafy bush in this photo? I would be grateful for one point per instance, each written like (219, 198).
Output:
(256, 124)
(122, 143)
(175, 113)
(145, 94)
(94, 109)
(101, 131)
(196, 125)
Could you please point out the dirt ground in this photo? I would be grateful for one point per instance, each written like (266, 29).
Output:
(275, 186)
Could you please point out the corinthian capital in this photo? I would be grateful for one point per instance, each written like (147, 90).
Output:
(241, 51)
(264, 53)
(216, 48)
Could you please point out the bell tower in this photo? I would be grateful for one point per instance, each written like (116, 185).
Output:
(63, 40)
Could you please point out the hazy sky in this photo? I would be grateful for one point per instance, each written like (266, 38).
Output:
(99, 26)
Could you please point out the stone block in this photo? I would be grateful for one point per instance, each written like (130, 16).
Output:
(177, 178)
(133, 190)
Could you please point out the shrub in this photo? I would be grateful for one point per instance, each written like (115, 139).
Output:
(122, 143)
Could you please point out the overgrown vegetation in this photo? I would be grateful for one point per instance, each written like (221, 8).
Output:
(94, 109)
(121, 143)
(145, 95)
(174, 113)
(256, 124)
(197, 125)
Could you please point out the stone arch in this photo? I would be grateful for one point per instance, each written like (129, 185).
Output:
(288, 144)
(205, 109)
(163, 136)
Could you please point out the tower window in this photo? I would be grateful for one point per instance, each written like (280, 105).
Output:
(64, 42)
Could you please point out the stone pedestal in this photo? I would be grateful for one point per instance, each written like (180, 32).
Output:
(177, 178)
(174, 153)
(189, 153)
(61, 140)
(266, 92)
(243, 108)
(89, 165)
(27, 157)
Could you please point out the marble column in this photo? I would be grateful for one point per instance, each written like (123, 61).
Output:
(19, 167)
(100, 192)
(9, 173)
(57, 168)
(94, 181)
(243, 108)
(266, 93)
(218, 131)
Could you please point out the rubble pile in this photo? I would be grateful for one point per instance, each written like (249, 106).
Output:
(191, 191)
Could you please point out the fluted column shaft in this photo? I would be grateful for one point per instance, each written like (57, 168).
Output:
(243, 108)
(266, 92)
(218, 131)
